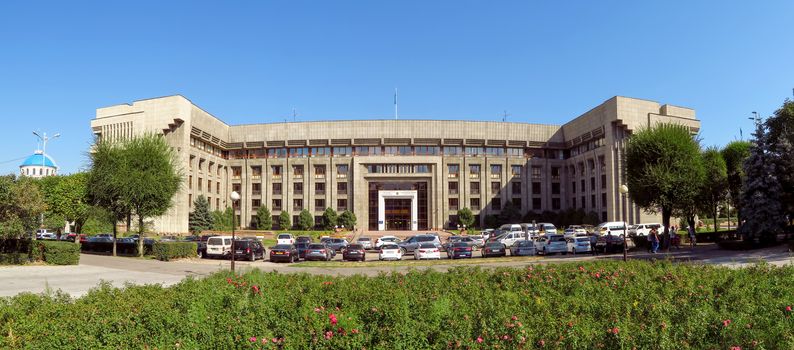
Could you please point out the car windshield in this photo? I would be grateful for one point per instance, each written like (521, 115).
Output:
(241, 243)
(316, 246)
(363, 239)
(425, 238)
(556, 239)
(427, 245)
(215, 241)
(283, 236)
(337, 240)
(302, 245)
(494, 245)
(283, 246)
(583, 240)
(524, 243)
(457, 245)
(389, 246)
(355, 246)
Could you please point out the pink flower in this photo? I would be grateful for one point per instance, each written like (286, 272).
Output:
(736, 348)
(317, 309)
(726, 323)
(479, 340)
(354, 331)
(598, 275)
(614, 331)
(255, 288)
(505, 337)
(514, 318)
(581, 268)
(542, 343)
(332, 318)
(788, 308)
(264, 340)
(252, 339)
(329, 335)
(274, 340)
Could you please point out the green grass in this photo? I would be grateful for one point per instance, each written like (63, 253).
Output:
(411, 262)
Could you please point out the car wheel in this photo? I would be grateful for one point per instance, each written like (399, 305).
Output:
(403, 251)
(252, 257)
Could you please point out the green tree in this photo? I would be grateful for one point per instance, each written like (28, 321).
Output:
(329, 218)
(106, 183)
(347, 219)
(305, 220)
(713, 190)
(264, 220)
(509, 214)
(152, 178)
(201, 218)
(284, 221)
(666, 170)
(762, 212)
(466, 217)
(734, 154)
(491, 221)
(781, 146)
(67, 198)
(222, 220)
(21, 204)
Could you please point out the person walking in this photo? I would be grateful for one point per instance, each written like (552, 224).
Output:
(653, 237)
(691, 232)
(593, 243)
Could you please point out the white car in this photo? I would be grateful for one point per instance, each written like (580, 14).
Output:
(616, 228)
(511, 238)
(366, 242)
(427, 250)
(285, 238)
(642, 230)
(575, 230)
(219, 246)
(550, 244)
(547, 228)
(579, 244)
(386, 239)
(390, 251)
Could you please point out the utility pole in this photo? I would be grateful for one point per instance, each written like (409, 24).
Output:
(505, 115)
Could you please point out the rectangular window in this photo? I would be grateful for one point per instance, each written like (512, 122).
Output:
(319, 171)
(277, 153)
(494, 151)
(299, 152)
(343, 151)
(256, 172)
(277, 188)
(537, 204)
(583, 204)
(277, 204)
(496, 204)
(603, 200)
(474, 171)
(581, 185)
(341, 204)
(453, 187)
(319, 188)
(496, 171)
(453, 170)
(536, 172)
(321, 151)
(453, 150)
(603, 181)
(592, 201)
(516, 188)
(516, 202)
(555, 204)
(256, 189)
(496, 188)
(255, 203)
(426, 150)
(190, 200)
(515, 170)
(573, 202)
(341, 188)
(276, 169)
(218, 187)
(297, 204)
(297, 188)
(200, 181)
(555, 188)
(319, 204)
(555, 173)
(474, 188)
(297, 171)
(515, 152)
(474, 151)
(236, 172)
(591, 165)
(341, 171)
(390, 150)
(190, 182)
(236, 188)
(209, 185)
(573, 186)
(592, 184)
(475, 203)
(217, 204)
(405, 150)
(453, 204)
(535, 188)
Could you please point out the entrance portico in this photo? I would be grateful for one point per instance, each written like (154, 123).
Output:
(395, 212)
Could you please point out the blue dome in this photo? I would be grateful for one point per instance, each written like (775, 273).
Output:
(37, 160)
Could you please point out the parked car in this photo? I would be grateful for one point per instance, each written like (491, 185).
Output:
(523, 248)
(579, 244)
(354, 252)
(531, 228)
(459, 250)
(550, 244)
(101, 238)
(386, 239)
(169, 238)
(284, 252)
(390, 251)
(318, 251)
(201, 244)
(43, 232)
(610, 243)
(471, 241)
(642, 230)
(616, 228)
(219, 246)
(574, 230)
(365, 241)
(337, 244)
(511, 228)
(493, 249)
(511, 238)
(303, 239)
(285, 238)
(302, 247)
(410, 245)
(249, 248)
(427, 250)
(547, 228)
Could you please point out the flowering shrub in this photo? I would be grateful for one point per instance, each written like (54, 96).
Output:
(603, 305)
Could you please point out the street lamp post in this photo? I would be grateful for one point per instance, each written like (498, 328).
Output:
(624, 191)
(234, 197)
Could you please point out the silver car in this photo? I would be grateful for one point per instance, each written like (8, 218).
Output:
(318, 251)
(523, 248)
(579, 244)
(550, 244)
(366, 242)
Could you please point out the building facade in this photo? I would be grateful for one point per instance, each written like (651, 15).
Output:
(395, 174)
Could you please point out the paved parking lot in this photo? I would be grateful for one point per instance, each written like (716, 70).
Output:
(77, 280)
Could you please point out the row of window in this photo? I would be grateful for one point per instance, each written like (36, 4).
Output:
(297, 204)
(592, 184)
(398, 168)
(496, 204)
(297, 171)
(346, 151)
(453, 171)
(200, 184)
(297, 188)
(496, 186)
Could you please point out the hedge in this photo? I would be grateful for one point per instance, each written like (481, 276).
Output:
(599, 305)
(169, 250)
(57, 253)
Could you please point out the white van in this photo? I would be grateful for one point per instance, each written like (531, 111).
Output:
(547, 228)
(529, 227)
(511, 238)
(615, 228)
(511, 228)
(642, 230)
(219, 246)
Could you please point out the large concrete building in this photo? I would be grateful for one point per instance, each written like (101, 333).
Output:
(395, 174)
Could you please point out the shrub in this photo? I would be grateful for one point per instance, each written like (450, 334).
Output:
(169, 250)
(601, 305)
(57, 253)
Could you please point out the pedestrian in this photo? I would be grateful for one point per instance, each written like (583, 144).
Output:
(593, 243)
(653, 237)
(691, 232)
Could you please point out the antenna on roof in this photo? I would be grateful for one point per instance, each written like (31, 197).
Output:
(505, 115)
(294, 114)
(395, 103)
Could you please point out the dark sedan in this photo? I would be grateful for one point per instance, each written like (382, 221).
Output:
(284, 252)
(249, 249)
(459, 250)
(319, 251)
(493, 249)
(354, 252)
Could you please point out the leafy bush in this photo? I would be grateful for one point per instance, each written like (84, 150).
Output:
(57, 253)
(602, 305)
(169, 250)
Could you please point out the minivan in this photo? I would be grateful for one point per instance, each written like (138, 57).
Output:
(219, 246)
(511, 238)
(511, 227)
(615, 228)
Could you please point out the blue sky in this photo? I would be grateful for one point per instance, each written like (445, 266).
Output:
(253, 62)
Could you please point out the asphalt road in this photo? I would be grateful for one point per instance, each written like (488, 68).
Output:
(78, 280)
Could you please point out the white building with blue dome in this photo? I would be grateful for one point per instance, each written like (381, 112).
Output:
(38, 165)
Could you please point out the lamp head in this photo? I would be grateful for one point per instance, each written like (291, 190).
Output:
(624, 189)
(234, 196)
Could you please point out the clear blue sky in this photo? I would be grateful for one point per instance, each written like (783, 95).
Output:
(255, 61)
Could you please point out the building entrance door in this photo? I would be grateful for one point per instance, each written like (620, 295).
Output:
(398, 213)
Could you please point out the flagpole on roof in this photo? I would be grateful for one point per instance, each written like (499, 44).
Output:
(395, 103)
